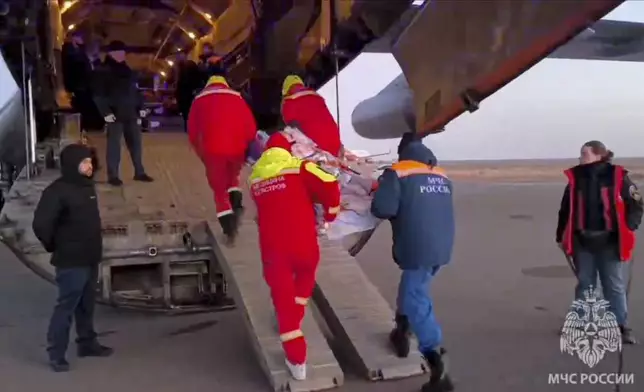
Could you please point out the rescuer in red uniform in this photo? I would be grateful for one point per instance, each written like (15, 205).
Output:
(600, 210)
(284, 189)
(221, 126)
(307, 110)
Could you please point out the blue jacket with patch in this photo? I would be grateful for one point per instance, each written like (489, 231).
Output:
(416, 197)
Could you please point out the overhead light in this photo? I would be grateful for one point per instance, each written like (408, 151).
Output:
(207, 15)
(192, 35)
(162, 73)
(71, 27)
(418, 2)
(178, 49)
(170, 62)
(67, 5)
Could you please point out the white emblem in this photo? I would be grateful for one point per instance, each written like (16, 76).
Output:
(590, 330)
(635, 194)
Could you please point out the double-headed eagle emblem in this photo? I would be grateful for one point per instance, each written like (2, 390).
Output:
(590, 330)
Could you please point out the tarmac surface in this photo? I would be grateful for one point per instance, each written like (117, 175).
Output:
(501, 303)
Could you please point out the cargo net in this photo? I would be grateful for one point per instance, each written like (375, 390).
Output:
(355, 187)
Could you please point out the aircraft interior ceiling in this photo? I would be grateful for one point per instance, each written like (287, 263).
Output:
(482, 46)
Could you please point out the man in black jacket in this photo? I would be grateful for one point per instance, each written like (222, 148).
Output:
(121, 104)
(77, 71)
(68, 224)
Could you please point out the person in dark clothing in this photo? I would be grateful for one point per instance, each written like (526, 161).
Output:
(188, 82)
(68, 224)
(121, 104)
(600, 210)
(77, 73)
(416, 197)
(209, 65)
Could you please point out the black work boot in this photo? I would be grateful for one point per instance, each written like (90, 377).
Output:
(399, 336)
(627, 335)
(59, 365)
(236, 199)
(229, 226)
(143, 178)
(94, 350)
(115, 181)
(439, 380)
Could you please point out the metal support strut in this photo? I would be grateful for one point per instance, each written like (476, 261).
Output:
(30, 118)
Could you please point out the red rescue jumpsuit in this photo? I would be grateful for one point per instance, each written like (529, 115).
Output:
(220, 127)
(306, 109)
(284, 189)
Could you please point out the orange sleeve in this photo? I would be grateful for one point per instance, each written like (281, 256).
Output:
(323, 188)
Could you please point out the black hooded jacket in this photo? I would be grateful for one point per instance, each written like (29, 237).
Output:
(67, 220)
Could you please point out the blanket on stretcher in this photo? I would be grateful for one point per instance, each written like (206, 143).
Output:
(355, 188)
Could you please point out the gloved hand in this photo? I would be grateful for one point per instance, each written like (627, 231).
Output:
(110, 118)
(143, 113)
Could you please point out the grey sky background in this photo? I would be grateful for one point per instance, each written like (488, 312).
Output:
(546, 113)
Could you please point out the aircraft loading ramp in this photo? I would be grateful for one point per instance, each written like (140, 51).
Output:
(353, 317)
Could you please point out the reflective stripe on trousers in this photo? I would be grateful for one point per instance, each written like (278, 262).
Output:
(291, 285)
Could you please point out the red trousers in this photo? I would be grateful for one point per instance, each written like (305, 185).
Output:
(223, 177)
(291, 284)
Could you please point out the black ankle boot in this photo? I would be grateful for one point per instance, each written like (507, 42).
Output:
(236, 201)
(229, 226)
(94, 350)
(59, 365)
(439, 380)
(627, 335)
(399, 336)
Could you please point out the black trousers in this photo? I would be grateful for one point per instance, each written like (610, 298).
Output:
(90, 117)
(76, 299)
(131, 132)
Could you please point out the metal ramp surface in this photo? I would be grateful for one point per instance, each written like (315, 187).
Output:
(360, 317)
(356, 313)
(242, 266)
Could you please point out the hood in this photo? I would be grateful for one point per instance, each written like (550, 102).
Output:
(217, 79)
(70, 158)
(272, 162)
(415, 150)
(406, 139)
(278, 140)
(290, 82)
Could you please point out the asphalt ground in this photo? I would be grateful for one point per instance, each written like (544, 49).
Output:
(501, 303)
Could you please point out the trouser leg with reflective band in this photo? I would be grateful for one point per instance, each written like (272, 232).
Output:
(219, 180)
(304, 285)
(233, 189)
(415, 303)
(280, 277)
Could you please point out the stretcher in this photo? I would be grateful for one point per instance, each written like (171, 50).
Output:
(356, 187)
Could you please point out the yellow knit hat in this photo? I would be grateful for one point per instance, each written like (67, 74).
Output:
(217, 79)
(290, 81)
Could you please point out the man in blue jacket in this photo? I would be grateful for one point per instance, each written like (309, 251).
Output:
(416, 197)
